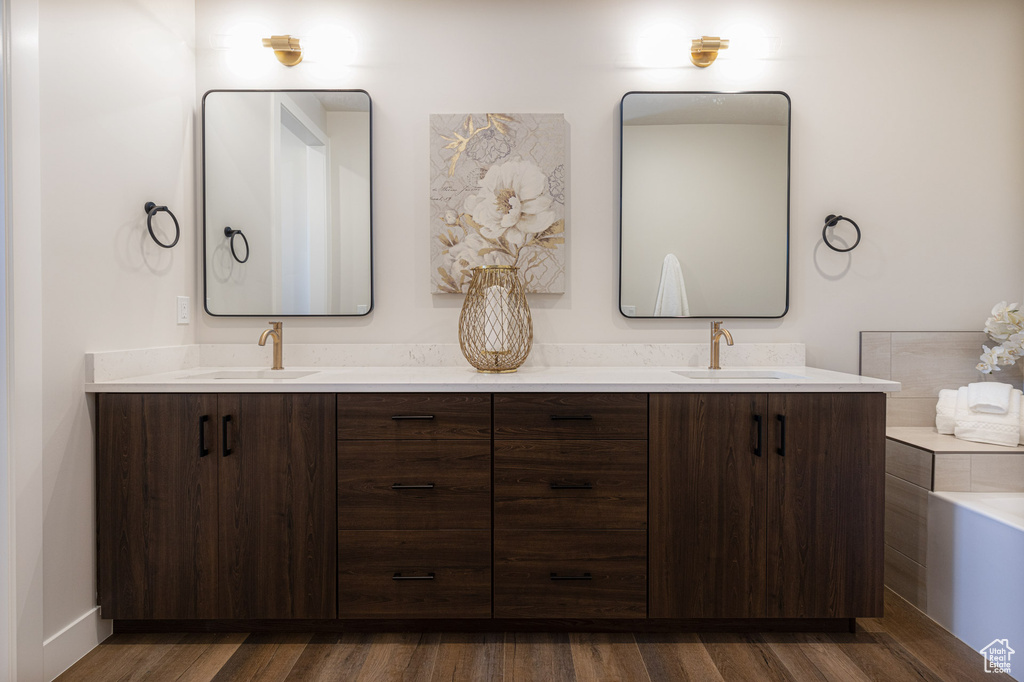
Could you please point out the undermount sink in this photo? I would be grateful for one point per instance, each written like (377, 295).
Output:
(736, 374)
(256, 374)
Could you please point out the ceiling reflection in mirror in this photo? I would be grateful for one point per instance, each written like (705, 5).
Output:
(705, 204)
(286, 183)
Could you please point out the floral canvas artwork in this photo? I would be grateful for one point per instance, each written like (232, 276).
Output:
(497, 197)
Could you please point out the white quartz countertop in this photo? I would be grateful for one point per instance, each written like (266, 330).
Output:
(466, 379)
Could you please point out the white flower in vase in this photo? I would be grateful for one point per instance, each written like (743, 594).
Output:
(1005, 325)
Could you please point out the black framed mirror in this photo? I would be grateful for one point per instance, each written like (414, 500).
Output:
(704, 213)
(287, 222)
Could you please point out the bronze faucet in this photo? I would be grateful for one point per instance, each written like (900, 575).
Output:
(717, 332)
(279, 343)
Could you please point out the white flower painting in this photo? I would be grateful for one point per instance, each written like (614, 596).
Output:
(497, 197)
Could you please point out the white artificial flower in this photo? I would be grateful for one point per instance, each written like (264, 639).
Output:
(465, 255)
(451, 217)
(512, 202)
(984, 368)
(1005, 325)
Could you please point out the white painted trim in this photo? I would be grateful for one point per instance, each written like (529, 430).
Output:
(62, 650)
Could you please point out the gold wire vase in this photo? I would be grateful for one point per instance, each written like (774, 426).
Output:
(495, 327)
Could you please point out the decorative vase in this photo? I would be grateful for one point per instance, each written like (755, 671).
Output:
(495, 328)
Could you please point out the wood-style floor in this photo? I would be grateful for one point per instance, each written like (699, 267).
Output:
(904, 645)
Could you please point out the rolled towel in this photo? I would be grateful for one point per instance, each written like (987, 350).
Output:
(989, 396)
(945, 411)
(997, 429)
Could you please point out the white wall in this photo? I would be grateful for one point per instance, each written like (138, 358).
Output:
(893, 124)
(114, 129)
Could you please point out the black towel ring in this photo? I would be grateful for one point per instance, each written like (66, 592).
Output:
(151, 210)
(831, 221)
(231, 234)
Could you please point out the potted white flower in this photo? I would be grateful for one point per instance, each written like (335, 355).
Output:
(1006, 327)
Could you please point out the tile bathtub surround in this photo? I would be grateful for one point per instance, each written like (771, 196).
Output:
(924, 363)
(115, 365)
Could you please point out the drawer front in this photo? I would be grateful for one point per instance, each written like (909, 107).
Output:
(414, 485)
(570, 484)
(570, 574)
(414, 574)
(394, 416)
(571, 415)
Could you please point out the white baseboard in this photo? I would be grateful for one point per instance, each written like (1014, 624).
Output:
(76, 640)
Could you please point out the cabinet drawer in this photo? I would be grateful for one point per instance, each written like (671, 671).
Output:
(414, 574)
(570, 574)
(570, 484)
(395, 416)
(414, 485)
(571, 415)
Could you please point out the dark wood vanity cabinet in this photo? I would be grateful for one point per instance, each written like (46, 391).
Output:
(570, 505)
(473, 505)
(414, 505)
(216, 506)
(766, 505)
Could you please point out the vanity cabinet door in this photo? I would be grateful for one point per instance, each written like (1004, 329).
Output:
(826, 502)
(156, 495)
(277, 506)
(708, 496)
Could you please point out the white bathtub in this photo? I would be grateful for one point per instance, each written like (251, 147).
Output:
(975, 566)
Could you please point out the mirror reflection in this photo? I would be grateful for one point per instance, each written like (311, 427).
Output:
(705, 204)
(286, 182)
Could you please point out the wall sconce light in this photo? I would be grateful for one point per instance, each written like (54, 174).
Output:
(704, 50)
(289, 52)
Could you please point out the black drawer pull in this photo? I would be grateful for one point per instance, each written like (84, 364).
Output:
(399, 576)
(585, 576)
(782, 435)
(572, 486)
(571, 417)
(424, 486)
(203, 450)
(405, 417)
(224, 421)
(757, 425)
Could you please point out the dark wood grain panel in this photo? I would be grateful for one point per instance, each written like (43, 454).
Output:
(440, 416)
(459, 471)
(570, 415)
(278, 506)
(615, 470)
(524, 562)
(156, 506)
(826, 498)
(708, 506)
(459, 560)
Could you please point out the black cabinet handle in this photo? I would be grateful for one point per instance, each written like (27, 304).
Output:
(203, 450)
(572, 486)
(571, 417)
(782, 435)
(757, 425)
(224, 421)
(585, 576)
(425, 486)
(399, 576)
(399, 417)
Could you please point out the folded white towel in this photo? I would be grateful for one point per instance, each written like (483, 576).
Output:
(945, 411)
(672, 301)
(981, 427)
(1022, 421)
(989, 396)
